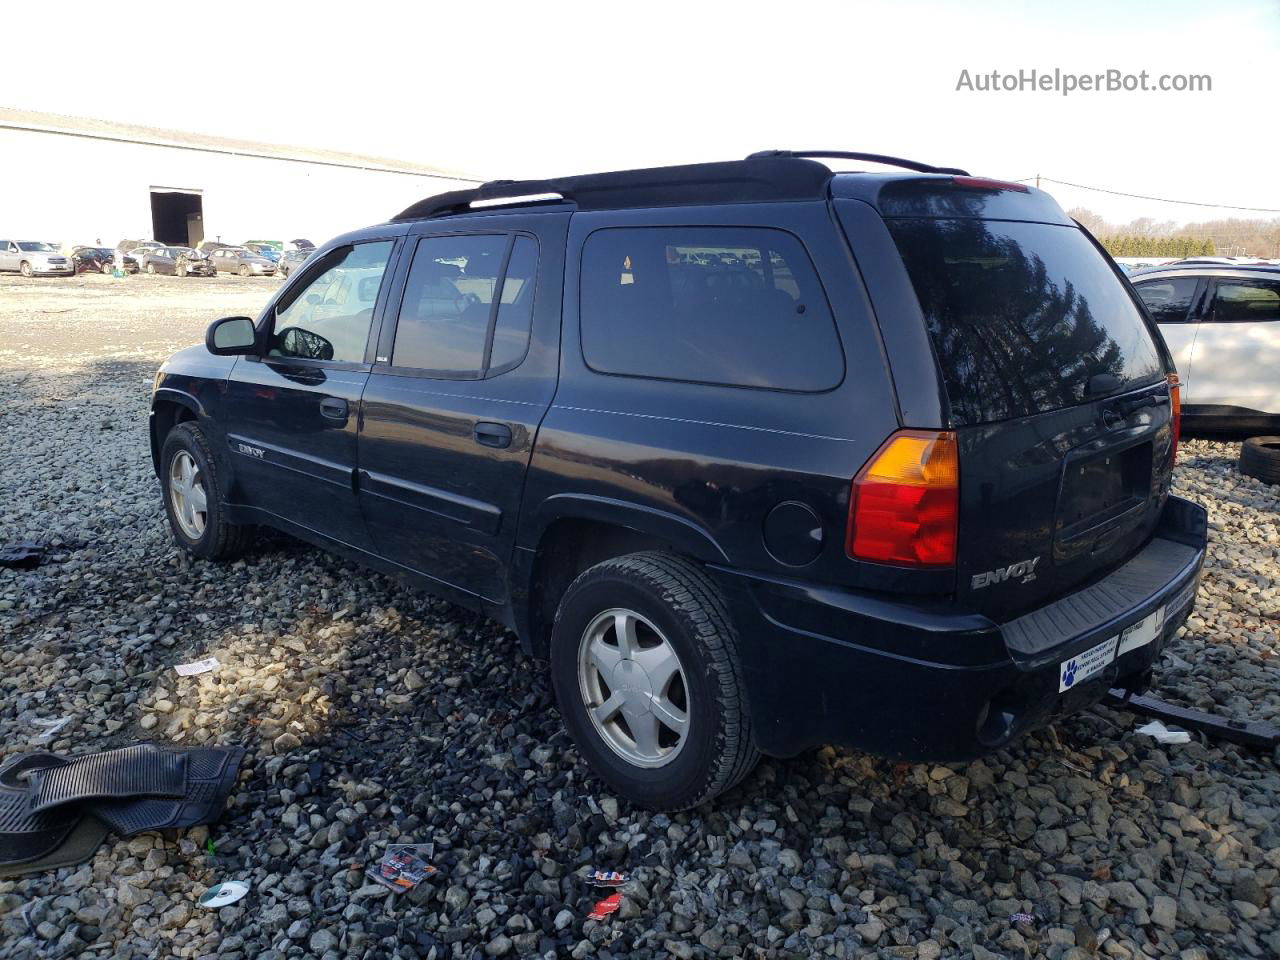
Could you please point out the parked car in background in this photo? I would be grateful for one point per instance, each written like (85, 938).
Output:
(299, 244)
(263, 249)
(290, 260)
(34, 258)
(244, 262)
(101, 260)
(178, 262)
(1222, 324)
(918, 508)
(129, 246)
(208, 246)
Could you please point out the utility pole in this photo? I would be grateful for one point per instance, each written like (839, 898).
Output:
(1037, 181)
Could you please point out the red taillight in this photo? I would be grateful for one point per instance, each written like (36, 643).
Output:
(1175, 401)
(983, 183)
(904, 503)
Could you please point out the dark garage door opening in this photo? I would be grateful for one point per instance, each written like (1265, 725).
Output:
(177, 217)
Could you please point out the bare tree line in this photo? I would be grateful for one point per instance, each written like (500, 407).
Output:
(1230, 237)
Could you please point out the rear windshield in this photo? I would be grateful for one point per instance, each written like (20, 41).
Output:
(1024, 317)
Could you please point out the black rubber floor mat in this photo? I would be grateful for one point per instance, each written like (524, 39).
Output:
(211, 774)
(79, 845)
(25, 834)
(141, 770)
(17, 771)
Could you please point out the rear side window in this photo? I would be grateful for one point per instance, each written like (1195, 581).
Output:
(1245, 300)
(735, 306)
(1169, 301)
(452, 324)
(1024, 317)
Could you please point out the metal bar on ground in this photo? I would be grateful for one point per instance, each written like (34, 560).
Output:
(1244, 732)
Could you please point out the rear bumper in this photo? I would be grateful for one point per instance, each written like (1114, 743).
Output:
(917, 683)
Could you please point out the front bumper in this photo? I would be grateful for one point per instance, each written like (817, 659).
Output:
(920, 682)
(51, 270)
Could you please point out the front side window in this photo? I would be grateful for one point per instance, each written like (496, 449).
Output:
(734, 306)
(1246, 300)
(329, 318)
(451, 323)
(1169, 301)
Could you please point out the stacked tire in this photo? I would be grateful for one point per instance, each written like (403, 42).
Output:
(1260, 458)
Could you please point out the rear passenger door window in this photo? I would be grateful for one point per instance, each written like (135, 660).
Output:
(1236, 301)
(467, 304)
(1168, 300)
(733, 306)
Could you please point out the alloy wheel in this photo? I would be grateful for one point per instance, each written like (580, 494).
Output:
(632, 683)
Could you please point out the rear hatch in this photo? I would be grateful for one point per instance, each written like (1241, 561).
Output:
(1059, 397)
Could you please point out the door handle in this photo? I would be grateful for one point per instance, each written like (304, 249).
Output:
(335, 408)
(492, 434)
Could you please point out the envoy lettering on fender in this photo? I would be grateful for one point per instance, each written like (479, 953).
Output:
(249, 451)
(1024, 570)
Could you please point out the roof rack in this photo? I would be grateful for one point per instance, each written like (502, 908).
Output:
(771, 175)
(868, 157)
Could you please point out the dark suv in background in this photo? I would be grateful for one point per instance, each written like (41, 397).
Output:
(759, 456)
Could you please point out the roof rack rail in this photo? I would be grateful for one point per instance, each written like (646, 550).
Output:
(869, 157)
(733, 181)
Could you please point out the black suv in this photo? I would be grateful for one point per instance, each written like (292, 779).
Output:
(758, 456)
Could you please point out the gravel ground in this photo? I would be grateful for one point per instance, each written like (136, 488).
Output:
(374, 715)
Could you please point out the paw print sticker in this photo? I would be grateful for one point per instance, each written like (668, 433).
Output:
(1069, 673)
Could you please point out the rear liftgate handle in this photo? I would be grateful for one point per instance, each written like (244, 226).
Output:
(492, 434)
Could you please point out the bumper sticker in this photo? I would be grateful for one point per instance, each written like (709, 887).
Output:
(1084, 665)
(1142, 632)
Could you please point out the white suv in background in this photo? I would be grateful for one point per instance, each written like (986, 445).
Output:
(1222, 325)
(33, 257)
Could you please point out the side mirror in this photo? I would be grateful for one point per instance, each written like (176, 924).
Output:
(314, 299)
(231, 336)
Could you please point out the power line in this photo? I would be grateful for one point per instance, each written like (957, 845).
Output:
(1142, 196)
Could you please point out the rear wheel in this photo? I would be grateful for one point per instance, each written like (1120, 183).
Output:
(193, 497)
(646, 671)
(25, 269)
(1260, 458)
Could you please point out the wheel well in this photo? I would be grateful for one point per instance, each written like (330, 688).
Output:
(165, 415)
(567, 548)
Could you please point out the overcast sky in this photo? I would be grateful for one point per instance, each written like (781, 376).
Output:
(540, 89)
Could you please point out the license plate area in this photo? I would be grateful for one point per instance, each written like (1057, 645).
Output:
(1098, 492)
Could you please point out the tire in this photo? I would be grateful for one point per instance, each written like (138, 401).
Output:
(107, 268)
(25, 269)
(675, 601)
(151, 268)
(217, 538)
(1260, 458)
(244, 270)
(180, 269)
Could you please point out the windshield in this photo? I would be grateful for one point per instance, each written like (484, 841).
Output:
(32, 246)
(1024, 317)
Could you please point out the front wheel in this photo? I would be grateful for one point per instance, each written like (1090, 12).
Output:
(151, 269)
(108, 268)
(181, 270)
(646, 671)
(25, 269)
(244, 270)
(193, 497)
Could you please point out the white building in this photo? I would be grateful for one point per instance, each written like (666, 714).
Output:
(72, 180)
